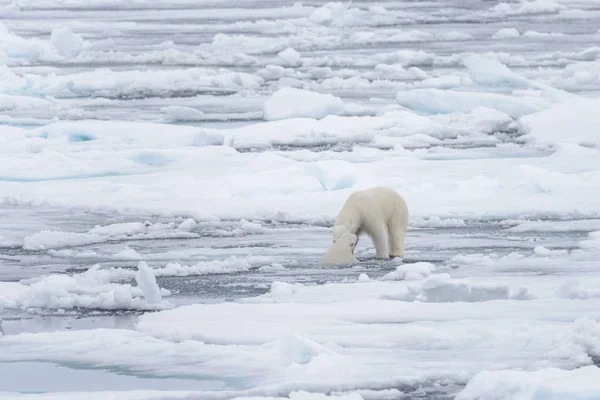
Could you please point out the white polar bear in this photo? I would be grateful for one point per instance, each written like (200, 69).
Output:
(379, 212)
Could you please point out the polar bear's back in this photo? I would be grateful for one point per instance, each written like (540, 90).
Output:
(385, 200)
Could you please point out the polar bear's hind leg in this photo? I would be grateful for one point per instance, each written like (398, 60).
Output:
(379, 236)
(397, 230)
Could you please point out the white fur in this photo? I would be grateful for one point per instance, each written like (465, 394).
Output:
(342, 251)
(379, 212)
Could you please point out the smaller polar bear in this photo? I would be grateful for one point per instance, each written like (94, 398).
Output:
(379, 212)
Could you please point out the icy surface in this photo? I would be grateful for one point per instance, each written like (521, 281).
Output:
(171, 170)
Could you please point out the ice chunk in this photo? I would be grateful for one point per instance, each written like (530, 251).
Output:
(180, 113)
(437, 222)
(451, 101)
(53, 239)
(188, 225)
(506, 33)
(333, 174)
(486, 71)
(442, 288)
(205, 138)
(410, 272)
(282, 288)
(557, 124)
(592, 243)
(299, 350)
(535, 34)
(556, 226)
(575, 289)
(90, 289)
(67, 43)
(527, 7)
(120, 229)
(147, 282)
(46, 239)
(230, 265)
(13, 102)
(290, 102)
(544, 252)
(549, 383)
(289, 58)
(249, 228)
(127, 254)
(16, 47)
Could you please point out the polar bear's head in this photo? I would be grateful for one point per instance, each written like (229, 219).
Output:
(342, 250)
(346, 239)
(339, 231)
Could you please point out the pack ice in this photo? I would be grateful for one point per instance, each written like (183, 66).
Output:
(171, 170)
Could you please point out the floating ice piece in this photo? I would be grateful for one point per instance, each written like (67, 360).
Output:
(558, 124)
(180, 113)
(451, 101)
(67, 43)
(486, 71)
(333, 174)
(527, 7)
(290, 102)
(545, 252)
(86, 290)
(575, 289)
(506, 33)
(14, 102)
(16, 47)
(46, 239)
(437, 222)
(188, 225)
(441, 288)
(289, 58)
(592, 243)
(147, 282)
(227, 266)
(549, 383)
(410, 272)
(249, 228)
(52, 239)
(127, 254)
(556, 226)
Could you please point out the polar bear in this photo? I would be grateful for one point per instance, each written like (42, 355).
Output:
(342, 250)
(379, 212)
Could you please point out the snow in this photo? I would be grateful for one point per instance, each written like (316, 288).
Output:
(178, 166)
(290, 102)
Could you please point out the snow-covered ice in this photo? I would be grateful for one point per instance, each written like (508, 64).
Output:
(175, 167)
